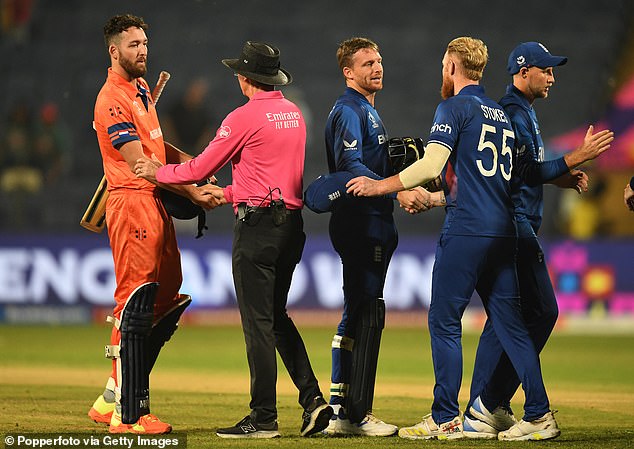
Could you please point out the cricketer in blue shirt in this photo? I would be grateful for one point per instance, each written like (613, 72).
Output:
(477, 247)
(476, 250)
(363, 232)
(494, 379)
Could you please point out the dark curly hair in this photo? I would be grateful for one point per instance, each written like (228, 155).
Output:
(118, 24)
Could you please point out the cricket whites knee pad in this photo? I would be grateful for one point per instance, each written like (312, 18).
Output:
(135, 327)
(365, 356)
(163, 330)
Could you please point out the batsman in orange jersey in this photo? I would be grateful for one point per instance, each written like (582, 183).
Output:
(147, 263)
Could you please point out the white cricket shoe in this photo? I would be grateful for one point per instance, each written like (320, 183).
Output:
(543, 428)
(370, 426)
(474, 428)
(500, 418)
(427, 429)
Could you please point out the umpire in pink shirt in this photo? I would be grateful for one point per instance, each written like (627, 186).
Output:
(265, 142)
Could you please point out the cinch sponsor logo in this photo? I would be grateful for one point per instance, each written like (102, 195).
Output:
(441, 127)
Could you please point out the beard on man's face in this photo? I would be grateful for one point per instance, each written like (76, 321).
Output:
(132, 68)
(446, 90)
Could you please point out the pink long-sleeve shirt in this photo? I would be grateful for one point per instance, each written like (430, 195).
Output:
(265, 141)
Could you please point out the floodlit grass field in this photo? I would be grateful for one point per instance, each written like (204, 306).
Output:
(49, 377)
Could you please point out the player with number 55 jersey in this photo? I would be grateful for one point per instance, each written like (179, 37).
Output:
(478, 135)
(470, 143)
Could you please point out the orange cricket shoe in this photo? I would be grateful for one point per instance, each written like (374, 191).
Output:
(101, 411)
(147, 424)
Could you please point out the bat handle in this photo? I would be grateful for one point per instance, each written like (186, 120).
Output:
(160, 85)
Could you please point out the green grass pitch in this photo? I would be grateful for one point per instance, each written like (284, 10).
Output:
(49, 377)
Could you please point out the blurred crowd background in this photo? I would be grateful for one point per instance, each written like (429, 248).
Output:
(53, 62)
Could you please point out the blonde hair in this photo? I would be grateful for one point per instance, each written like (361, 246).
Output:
(473, 56)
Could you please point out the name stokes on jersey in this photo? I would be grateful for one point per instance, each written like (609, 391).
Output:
(494, 114)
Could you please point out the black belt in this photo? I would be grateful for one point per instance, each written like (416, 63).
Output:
(245, 210)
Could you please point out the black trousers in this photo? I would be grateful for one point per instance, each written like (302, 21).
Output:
(264, 257)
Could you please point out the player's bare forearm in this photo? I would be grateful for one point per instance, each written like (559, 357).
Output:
(438, 199)
(364, 186)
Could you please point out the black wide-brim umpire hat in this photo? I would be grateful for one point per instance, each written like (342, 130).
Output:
(260, 62)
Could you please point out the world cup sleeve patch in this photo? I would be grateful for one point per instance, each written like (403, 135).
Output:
(223, 132)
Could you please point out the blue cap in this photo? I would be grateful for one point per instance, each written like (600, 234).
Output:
(321, 194)
(528, 54)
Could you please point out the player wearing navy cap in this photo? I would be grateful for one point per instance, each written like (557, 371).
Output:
(476, 250)
(532, 54)
(494, 380)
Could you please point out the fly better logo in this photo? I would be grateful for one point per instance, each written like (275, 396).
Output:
(349, 146)
(441, 127)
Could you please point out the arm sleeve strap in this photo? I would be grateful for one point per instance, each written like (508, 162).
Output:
(427, 168)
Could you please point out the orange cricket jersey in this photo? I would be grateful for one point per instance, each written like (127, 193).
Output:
(120, 117)
(141, 233)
